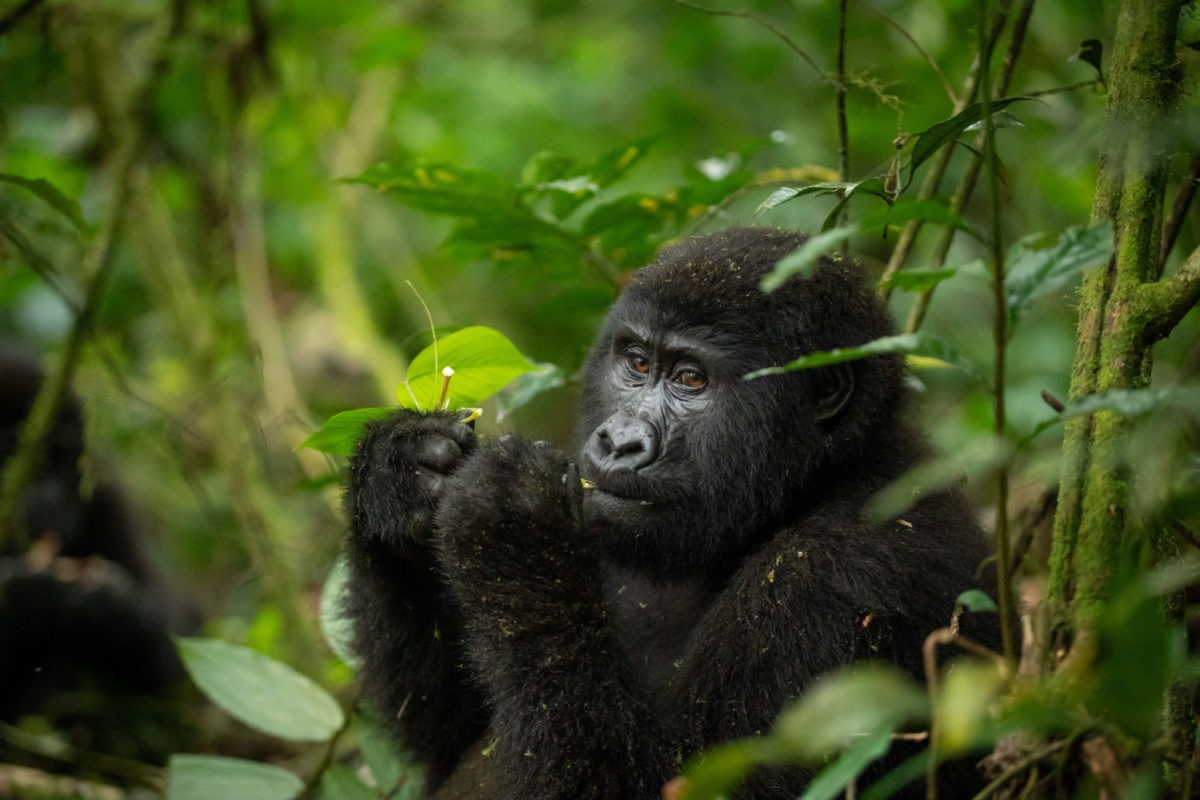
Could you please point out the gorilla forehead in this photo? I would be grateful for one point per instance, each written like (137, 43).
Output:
(710, 285)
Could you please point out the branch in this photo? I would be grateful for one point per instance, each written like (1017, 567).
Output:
(1179, 209)
(1166, 301)
(795, 48)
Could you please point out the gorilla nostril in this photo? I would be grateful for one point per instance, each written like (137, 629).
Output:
(632, 441)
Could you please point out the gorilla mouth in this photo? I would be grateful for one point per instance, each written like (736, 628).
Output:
(633, 488)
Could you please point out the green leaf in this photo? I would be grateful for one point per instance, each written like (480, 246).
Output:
(341, 432)
(49, 194)
(483, 360)
(930, 140)
(261, 692)
(976, 601)
(207, 777)
(526, 387)
(803, 261)
(844, 188)
(389, 768)
(716, 772)
(962, 709)
(442, 188)
(805, 258)
(917, 280)
(833, 779)
(914, 344)
(1035, 269)
(840, 707)
(873, 186)
(612, 165)
(339, 782)
(336, 626)
(972, 460)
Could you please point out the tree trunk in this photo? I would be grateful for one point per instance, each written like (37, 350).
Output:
(1124, 309)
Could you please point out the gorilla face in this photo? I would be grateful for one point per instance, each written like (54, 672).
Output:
(690, 461)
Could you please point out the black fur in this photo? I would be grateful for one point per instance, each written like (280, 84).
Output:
(595, 637)
(85, 620)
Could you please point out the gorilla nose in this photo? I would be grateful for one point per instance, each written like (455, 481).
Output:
(624, 442)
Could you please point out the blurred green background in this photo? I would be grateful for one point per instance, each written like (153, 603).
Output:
(255, 292)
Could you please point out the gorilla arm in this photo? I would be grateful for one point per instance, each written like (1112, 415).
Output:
(408, 632)
(569, 719)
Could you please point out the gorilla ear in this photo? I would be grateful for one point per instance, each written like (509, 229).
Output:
(832, 387)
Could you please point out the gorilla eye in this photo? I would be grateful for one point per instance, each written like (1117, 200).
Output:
(638, 362)
(691, 379)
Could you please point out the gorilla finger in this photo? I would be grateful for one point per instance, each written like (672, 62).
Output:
(439, 453)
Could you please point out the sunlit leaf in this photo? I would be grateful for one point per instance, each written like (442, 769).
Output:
(265, 694)
(483, 360)
(341, 432)
(1035, 269)
(962, 710)
(206, 777)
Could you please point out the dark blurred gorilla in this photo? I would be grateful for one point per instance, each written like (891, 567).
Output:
(85, 621)
(593, 638)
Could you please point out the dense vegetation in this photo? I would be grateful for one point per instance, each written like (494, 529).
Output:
(222, 223)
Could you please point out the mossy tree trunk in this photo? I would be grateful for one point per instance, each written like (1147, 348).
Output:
(1124, 309)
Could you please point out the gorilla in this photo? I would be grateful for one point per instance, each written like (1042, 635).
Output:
(85, 619)
(587, 622)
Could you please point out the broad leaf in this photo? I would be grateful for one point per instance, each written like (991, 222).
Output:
(839, 708)
(483, 360)
(442, 188)
(206, 777)
(265, 694)
(341, 432)
(1035, 269)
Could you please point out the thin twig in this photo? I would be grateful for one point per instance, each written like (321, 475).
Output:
(766, 23)
(1179, 210)
(946, 85)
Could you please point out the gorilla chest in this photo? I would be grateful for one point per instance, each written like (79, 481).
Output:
(654, 623)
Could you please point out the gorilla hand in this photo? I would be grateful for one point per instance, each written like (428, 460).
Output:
(509, 534)
(398, 476)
